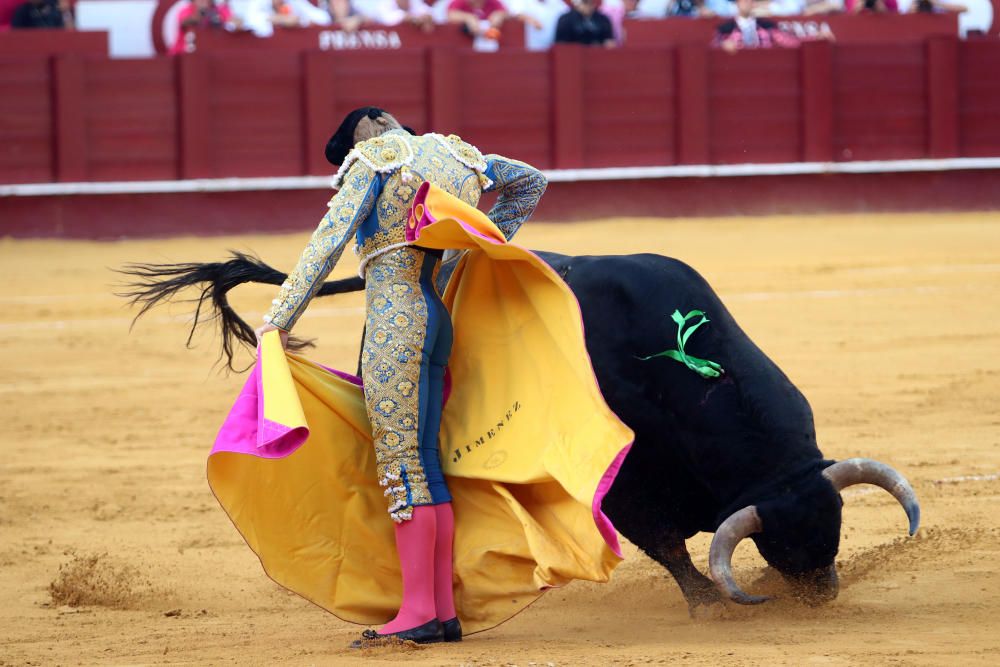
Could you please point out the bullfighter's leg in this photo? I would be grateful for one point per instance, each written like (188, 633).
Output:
(435, 357)
(400, 337)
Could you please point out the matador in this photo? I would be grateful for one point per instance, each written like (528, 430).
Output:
(408, 330)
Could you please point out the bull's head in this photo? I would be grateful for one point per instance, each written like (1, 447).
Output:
(799, 535)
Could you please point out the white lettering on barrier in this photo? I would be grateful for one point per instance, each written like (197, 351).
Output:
(340, 40)
(807, 29)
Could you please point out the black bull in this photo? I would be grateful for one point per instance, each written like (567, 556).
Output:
(734, 455)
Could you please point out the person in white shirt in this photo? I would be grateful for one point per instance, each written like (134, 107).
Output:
(394, 12)
(539, 18)
(262, 15)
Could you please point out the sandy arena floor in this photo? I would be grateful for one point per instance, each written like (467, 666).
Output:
(890, 325)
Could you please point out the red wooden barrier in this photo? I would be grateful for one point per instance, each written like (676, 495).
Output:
(942, 97)
(613, 108)
(817, 101)
(130, 119)
(880, 102)
(242, 115)
(755, 106)
(844, 28)
(692, 104)
(270, 113)
(40, 42)
(629, 100)
(979, 98)
(369, 37)
(503, 103)
(26, 142)
(334, 84)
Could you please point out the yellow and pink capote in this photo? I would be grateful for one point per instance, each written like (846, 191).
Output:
(528, 445)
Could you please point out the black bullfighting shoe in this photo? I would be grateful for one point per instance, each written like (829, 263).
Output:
(452, 630)
(430, 632)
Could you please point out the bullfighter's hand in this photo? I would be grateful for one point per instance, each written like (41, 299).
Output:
(263, 329)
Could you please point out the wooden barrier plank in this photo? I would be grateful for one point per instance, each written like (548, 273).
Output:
(506, 105)
(195, 149)
(131, 119)
(319, 88)
(629, 106)
(692, 104)
(817, 101)
(445, 93)
(942, 97)
(880, 102)
(979, 98)
(568, 106)
(48, 43)
(256, 114)
(69, 126)
(755, 106)
(26, 124)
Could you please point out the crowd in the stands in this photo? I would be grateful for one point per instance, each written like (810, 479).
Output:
(545, 22)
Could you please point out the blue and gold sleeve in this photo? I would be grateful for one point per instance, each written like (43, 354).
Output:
(520, 186)
(351, 205)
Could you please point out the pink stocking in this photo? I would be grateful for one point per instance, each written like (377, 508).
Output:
(444, 594)
(415, 544)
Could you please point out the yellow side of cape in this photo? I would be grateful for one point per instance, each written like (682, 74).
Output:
(528, 444)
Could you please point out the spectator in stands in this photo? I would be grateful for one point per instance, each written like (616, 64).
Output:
(7, 9)
(745, 31)
(876, 6)
(394, 12)
(200, 14)
(721, 7)
(479, 18)
(688, 8)
(262, 16)
(802, 7)
(782, 8)
(583, 24)
(43, 14)
(646, 9)
(936, 7)
(344, 15)
(658, 9)
(539, 18)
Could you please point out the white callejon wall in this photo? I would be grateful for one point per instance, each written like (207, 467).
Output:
(127, 21)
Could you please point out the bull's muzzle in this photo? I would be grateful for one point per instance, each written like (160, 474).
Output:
(746, 522)
(816, 587)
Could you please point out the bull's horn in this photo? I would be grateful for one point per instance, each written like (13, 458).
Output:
(720, 555)
(866, 471)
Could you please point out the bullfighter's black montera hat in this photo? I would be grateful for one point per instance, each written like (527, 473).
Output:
(342, 141)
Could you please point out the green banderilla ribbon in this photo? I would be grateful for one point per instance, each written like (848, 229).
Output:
(703, 367)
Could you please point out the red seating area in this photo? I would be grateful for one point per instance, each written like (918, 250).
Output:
(84, 118)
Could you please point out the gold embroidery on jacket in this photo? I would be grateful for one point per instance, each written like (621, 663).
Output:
(395, 331)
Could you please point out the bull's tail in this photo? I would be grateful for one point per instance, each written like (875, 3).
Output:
(154, 284)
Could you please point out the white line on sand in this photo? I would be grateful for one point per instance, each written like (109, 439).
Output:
(990, 477)
(250, 316)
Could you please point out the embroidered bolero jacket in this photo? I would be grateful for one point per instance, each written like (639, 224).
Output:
(377, 184)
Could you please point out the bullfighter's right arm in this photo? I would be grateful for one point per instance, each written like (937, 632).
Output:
(520, 186)
(348, 208)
